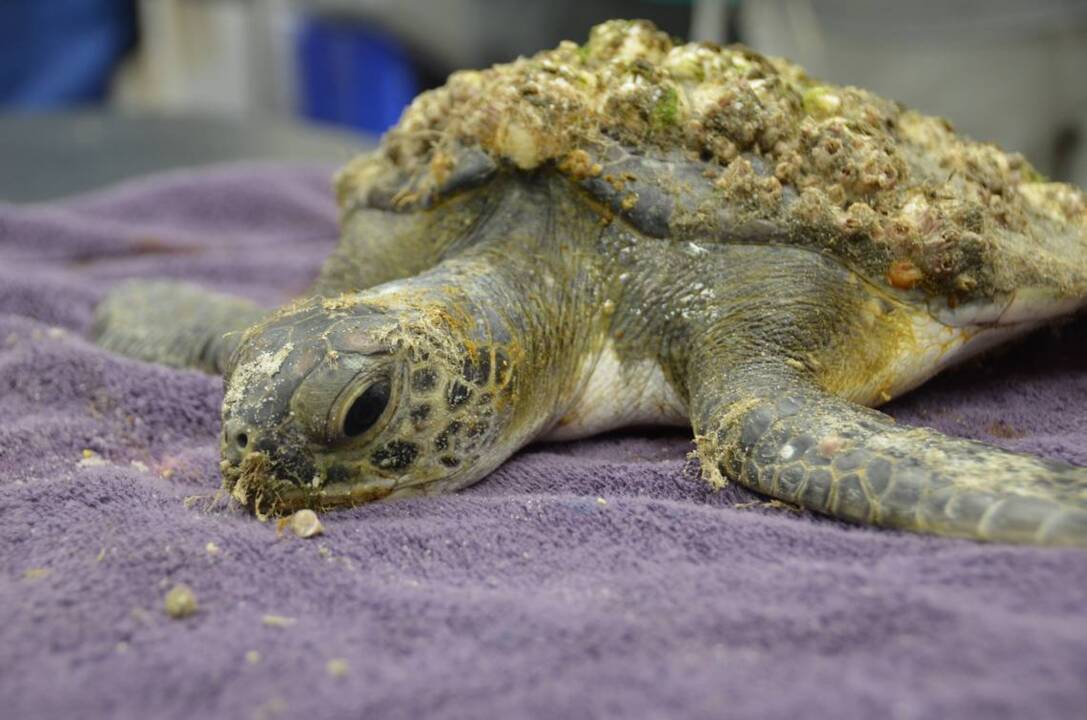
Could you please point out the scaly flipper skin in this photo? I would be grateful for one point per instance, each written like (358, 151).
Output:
(173, 323)
(764, 417)
(780, 435)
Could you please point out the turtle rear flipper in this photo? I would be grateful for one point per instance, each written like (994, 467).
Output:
(173, 323)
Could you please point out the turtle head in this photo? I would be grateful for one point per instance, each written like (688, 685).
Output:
(337, 402)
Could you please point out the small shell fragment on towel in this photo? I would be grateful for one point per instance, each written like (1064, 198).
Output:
(180, 601)
(278, 621)
(304, 524)
(337, 667)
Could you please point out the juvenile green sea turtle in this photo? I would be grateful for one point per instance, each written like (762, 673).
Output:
(634, 231)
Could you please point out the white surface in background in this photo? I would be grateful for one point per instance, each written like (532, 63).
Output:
(225, 57)
(1007, 72)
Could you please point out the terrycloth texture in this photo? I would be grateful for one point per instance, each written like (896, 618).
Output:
(592, 579)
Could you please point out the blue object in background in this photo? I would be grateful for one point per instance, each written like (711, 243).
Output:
(352, 75)
(55, 53)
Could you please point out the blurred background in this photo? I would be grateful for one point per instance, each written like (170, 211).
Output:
(92, 91)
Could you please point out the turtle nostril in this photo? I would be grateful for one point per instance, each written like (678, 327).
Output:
(239, 439)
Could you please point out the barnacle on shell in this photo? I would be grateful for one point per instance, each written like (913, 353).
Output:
(842, 161)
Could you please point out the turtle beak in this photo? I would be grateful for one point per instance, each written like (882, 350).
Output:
(284, 459)
(259, 447)
(258, 468)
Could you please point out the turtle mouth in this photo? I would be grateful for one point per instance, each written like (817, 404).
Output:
(254, 484)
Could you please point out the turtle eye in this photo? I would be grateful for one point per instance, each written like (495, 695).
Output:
(367, 409)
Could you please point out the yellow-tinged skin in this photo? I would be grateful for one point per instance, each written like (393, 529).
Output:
(633, 232)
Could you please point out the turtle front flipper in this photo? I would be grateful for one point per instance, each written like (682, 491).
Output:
(772, 374)
(173, 323)
(779, 435)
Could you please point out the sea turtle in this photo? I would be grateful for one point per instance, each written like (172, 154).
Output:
(637, 231)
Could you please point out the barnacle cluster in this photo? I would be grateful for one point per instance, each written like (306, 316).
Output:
(840, 164)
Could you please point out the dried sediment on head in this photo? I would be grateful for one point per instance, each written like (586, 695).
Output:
(872, 181)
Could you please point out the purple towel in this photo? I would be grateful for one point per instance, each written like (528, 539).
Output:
(599, 578)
